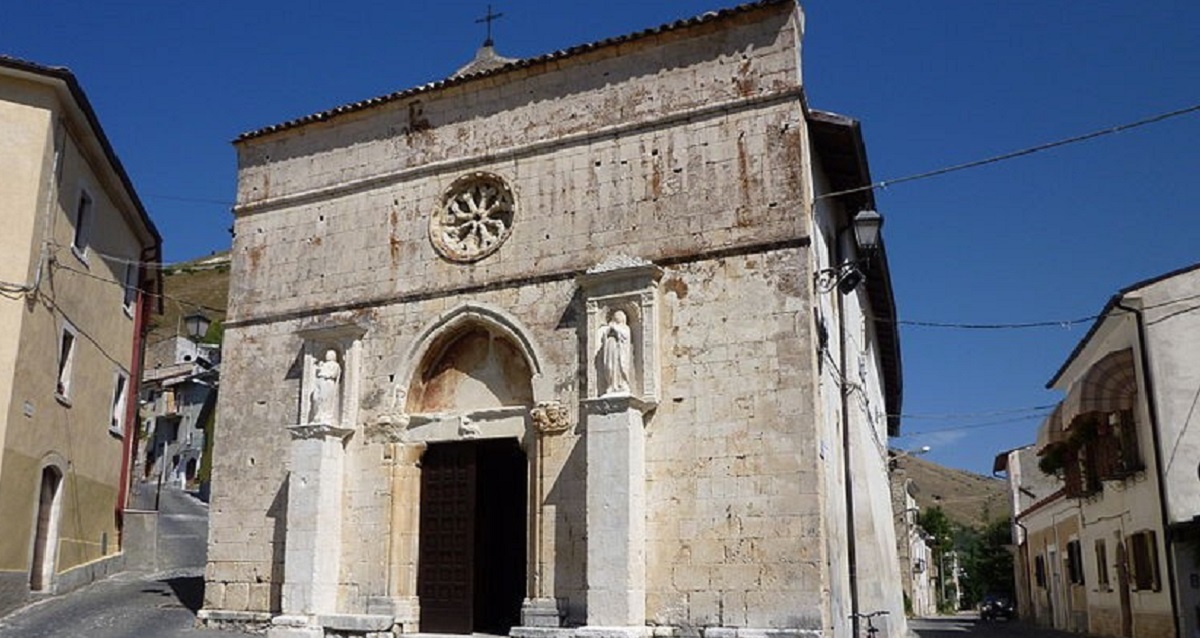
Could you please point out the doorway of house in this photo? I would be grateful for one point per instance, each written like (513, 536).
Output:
(1123, 590)
(471, 572)
(46, 531)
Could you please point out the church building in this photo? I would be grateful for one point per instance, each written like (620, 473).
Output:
(585, 344)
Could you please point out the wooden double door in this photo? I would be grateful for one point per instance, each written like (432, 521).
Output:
(472, 541)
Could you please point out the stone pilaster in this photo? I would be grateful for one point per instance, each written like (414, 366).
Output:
(616, 512)
(314, 516)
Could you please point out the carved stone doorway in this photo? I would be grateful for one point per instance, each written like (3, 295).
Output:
(471, 569)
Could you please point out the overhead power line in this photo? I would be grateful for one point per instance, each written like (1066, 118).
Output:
(194, 200)
(1066, 323)
(1052, 323)
(183, 302)
(1015, 154)
(975, 415)
(973, 426)
(195, 264)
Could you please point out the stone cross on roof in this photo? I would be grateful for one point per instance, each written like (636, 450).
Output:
(489, 18)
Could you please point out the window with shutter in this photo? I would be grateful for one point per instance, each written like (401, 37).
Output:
(1144, 564)
(1075, 563)
(1102, 565)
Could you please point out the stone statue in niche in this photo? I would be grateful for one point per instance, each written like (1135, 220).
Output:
(616, 356)
(325, 390)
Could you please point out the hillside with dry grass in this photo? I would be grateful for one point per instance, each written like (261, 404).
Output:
(199, 285)
(967, 498)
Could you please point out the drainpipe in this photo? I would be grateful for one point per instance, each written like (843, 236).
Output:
(847, 478)
(141, 325)
(1151, 402)
(1023, 549)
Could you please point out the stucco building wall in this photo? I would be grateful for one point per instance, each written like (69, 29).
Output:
(57, 152)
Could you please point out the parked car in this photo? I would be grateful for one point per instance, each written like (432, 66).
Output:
(996, 606)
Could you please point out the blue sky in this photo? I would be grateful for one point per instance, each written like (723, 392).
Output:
(935, 83)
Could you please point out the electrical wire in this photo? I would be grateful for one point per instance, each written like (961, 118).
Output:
(83, 333)
(975, 415)
(156, 265)
(1183, 431)
(177, 300)
(1015, 154)
(972, 426)
(1065, 323)
(1172, 315)
(196, 200)
(1171, 301)
(1054, 323)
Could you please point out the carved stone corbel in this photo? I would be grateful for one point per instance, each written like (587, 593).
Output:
(550, 417)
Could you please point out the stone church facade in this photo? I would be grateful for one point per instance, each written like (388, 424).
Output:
(546, 348)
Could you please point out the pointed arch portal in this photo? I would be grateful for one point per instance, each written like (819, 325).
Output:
(471, 376)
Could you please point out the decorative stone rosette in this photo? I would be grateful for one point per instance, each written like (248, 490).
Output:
(474, 217)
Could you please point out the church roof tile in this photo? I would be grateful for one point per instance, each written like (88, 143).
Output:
(461, 77)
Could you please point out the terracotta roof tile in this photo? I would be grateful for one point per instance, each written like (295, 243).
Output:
(456, 80)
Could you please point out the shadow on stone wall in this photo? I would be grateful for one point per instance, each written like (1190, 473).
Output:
(277, 512)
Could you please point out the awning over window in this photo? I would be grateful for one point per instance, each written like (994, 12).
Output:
(1109, 385)
(1051, 430)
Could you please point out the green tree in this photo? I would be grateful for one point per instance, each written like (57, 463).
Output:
(990, 561)
(215, 334)
(939, 527)
(935, 522)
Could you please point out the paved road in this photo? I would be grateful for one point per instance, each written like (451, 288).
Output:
(969, 626)
(162, 604)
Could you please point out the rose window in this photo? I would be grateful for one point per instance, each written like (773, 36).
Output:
(475, 217)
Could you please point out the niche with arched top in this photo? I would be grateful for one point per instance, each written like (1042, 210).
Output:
(470, 369)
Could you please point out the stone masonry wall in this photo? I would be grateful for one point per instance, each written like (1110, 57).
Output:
(734, 529)
(684, 148)
(709, 180)
(733, 514)
(637, 82)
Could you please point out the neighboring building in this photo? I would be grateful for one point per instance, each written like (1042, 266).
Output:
(1118, 541)
(566, 342)
(1037, 501)
(71, 319)
(179, 396)
(914, 548)
(1047, 527)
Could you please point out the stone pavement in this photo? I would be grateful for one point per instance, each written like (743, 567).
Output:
(161, 604)
(968, 624)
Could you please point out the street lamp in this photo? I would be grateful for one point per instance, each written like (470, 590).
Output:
(196, 325)
(867, 224)
(851, 272)
(894, 456)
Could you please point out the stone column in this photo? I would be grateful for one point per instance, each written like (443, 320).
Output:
(616, 512)
(313, 543)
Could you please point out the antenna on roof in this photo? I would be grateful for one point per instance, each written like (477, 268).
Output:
(489, 18)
